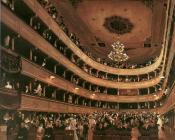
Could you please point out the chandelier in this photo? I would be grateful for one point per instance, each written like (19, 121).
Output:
(117, 54)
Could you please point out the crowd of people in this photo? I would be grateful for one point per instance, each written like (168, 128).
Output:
(46, 124)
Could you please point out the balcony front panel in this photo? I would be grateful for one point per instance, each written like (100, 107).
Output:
(32, 103)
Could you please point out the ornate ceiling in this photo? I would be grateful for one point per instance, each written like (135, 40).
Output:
(99, 23)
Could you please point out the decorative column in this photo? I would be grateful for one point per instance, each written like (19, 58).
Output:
(138, 105)
(106, 74)
(31, 54)
(54, 94)
(138, 78)
(148, 76)
(118, 93)
(90, 87)
(13, 43)
(84, 84)
(72, 78)
(44, 90)
(148, 91)
(30, 88)
(64, 97)
(138, 91)
(55, 68)
(155, 104)
(90, 103)
(148, 105)
(7, 41)
(155, 73)
(97, 73)
(72, 58)
(64, 74)
(12, 5)
(77, 100)
(65, 49)
(90, 71)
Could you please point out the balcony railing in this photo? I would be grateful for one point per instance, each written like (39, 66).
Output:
(10, 62)
(9, 98)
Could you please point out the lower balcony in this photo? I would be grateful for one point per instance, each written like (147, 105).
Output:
(18, 100)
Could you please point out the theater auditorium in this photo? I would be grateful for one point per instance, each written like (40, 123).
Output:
(87, 70)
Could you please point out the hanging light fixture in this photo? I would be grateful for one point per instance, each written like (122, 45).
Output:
(118, 54)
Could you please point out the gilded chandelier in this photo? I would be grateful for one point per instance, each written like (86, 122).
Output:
(117, 54)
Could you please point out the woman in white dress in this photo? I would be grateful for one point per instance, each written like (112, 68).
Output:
(92, 124)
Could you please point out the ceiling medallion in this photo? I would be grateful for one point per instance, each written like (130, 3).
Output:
(118, 54)
(118, 25)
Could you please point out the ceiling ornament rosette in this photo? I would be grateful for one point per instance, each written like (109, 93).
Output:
(118, 25)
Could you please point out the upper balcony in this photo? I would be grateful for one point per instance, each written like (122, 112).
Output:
(30, 35)
(48, 20)
(58, 32)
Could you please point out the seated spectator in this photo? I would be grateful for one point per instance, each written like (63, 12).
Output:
(40, 132)
(8, 85)
(7, 41)
(22, 133)
(70, 99)
(44, 62)
(38, 90)
(48, 135)
(27, 89)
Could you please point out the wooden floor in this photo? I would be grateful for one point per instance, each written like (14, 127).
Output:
(166, 134)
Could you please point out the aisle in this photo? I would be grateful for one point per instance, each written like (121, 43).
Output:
(135, 133)
(90, 134)
(166, 134)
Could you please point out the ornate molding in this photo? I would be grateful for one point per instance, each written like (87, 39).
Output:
(118, 25)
